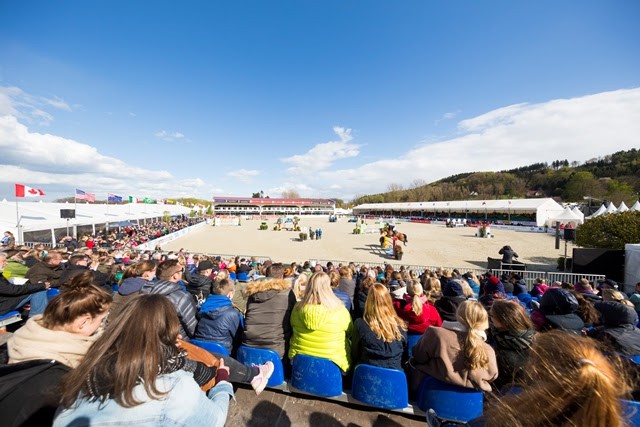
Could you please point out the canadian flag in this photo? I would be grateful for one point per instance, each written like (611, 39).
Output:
(24, 191)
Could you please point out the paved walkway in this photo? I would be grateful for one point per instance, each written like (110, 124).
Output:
(279, 409)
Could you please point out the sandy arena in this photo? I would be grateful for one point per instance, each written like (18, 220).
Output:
(428, 244)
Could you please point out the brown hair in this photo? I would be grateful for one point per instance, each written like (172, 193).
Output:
(586, 310)
(380, 315)
(511, 315)
(138, 269)
(133, 350)
(569, 383)
(335, 278)
(168, 268)
(346, 272)
(78, 296)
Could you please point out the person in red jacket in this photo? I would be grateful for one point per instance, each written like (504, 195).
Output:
(418, 311)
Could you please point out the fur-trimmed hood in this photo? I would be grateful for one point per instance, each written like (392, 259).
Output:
(264, 285)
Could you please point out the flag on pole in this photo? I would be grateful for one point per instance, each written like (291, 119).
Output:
(81, 195)
(24, 191)
(113, 198)
(133, 199)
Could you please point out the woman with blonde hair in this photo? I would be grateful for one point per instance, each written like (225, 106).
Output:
(299, 286)
(380, 337)
(417, 310)
(569, 382)
(457, 352)
(321, 324)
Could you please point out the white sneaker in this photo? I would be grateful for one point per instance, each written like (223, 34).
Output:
(259, 382)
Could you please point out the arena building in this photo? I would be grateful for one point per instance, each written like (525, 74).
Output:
(269, 206)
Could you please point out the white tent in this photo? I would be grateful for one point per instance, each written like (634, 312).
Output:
(611, 208)
(44, 219)
(622, 208)
(544, 209)
(602, 209)
(636, 206)
(568, 217)
(578, 212)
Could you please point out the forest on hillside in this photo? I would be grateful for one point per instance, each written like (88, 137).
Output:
(614, 178)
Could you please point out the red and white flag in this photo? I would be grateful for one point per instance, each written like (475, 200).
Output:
(24, 191)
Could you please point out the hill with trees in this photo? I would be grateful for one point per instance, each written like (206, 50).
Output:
(614, 177)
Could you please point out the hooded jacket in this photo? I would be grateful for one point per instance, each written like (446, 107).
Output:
(267, 317)
(512, 351)
(183, 301)
(322, 332)
(129, 287)
(558, 309)
(220, 322)
(418, 323)
(618, 328)
(200, 285)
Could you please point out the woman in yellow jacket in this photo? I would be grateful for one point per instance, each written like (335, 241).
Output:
(321, 324)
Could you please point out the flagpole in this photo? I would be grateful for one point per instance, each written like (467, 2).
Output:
(18, 222)
(107, 215)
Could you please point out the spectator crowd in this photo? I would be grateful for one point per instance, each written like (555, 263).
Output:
(114, 344)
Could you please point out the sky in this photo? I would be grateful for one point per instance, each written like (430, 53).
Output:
(331, 99)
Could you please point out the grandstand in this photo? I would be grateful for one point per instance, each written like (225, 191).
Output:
(268, 206)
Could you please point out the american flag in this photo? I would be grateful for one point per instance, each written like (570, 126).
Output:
(81, 195)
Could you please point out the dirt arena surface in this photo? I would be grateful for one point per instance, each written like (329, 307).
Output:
(428, 244)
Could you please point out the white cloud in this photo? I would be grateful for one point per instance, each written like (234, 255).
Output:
(322, 156)
(243, 175)
(15, 102)
(447, 116)
(169, 136)
(517, 135)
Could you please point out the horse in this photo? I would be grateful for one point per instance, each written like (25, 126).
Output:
(402, 237)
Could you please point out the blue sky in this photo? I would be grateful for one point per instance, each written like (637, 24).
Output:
(330, 99)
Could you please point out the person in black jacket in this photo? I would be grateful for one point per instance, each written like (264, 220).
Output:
(201, 284)
(78, 263)
(511, 332)
(380, 337)
(617, 330)
(13, 296)
(507, 254)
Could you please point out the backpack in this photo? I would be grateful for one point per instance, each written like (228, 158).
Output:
(16, 374)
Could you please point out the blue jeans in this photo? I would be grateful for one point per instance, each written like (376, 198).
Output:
(38, 301)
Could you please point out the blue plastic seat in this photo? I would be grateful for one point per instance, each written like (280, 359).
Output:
(315, 375)
(211, 346)
(635, 358)
(52, 293)
(412, 340)
(242, 277)
(232, 276)
(631, 412)
(9, 318)
(258, 356)
(450, 401)
(380, 387)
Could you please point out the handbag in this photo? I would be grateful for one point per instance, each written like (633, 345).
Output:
(200, 355)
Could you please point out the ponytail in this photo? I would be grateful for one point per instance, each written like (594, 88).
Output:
(474, 316)
(416, 304)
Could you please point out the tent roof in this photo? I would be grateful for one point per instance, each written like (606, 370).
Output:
(636, 206)
(34, 216)
(502, 205)
(567, 216)
(622, 208)
(611, 208)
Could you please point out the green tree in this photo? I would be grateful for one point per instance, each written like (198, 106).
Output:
(611, 231)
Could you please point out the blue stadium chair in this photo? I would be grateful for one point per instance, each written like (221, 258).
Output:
(9, 318)
(211, 346)
(412, 341)
(449, 401)
(258, 356)
(380, 387)
(635, 358)
(315, 375)
(233, 276)
(52, 293)
(631, 412)
(114, 288)
(243, 277)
